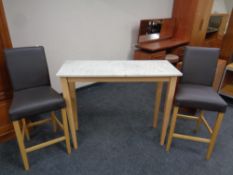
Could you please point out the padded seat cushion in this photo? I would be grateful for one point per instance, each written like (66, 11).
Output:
(33, 101)
(200, 97)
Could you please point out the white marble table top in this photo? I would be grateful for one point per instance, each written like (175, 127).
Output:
(126, 68)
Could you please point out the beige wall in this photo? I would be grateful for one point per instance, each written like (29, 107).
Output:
(80, 29)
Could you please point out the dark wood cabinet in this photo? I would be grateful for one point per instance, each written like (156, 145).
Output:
(6, 129)
(192, 19)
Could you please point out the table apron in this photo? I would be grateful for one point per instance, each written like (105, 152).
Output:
(118, 79)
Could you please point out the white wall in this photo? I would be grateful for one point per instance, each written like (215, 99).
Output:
(80, 29)
(229, 5)
(219, 6)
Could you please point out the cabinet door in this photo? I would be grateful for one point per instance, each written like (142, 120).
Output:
(184, 14)
(5, 88)
(6, 130)
(201, 21)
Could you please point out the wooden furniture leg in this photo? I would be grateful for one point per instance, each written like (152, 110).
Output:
(68, 99)
(199, 121)
(22, 148)
(53, 121)
(159, 90)
(168, 106)
(66, 130)
(172, 129)
(74, 104)
(214, 134)
(25, 128)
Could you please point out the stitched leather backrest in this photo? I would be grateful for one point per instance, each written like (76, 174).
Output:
(27, 67)
(199, 65)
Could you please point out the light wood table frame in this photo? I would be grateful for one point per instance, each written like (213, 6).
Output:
(68, 86)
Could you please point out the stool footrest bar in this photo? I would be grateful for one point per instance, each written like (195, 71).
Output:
(45, 144)
(192, 138)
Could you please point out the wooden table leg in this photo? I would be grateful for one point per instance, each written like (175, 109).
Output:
(159, 90)
(68, 99)
(168, 106)
(74, 104)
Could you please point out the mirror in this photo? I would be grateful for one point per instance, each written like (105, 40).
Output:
(155, 29)
(218, 23)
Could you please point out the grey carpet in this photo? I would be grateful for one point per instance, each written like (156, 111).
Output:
(116, 138)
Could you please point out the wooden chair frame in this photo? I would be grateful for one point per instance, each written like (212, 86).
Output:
(21, 133)
(199, 119)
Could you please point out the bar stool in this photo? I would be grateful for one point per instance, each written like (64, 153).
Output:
(195, 91)
(33, 95)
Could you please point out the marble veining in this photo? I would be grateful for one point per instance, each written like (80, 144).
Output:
(115, 68)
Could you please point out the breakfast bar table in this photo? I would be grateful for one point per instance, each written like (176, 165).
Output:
(160, 71)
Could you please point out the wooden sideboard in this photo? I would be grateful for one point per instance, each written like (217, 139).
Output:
(159, 49)
(162, 45)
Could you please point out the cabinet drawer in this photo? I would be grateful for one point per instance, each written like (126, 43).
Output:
(143, 55)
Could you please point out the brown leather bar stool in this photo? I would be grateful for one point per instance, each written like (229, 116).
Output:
(33, 95)
(195, 91)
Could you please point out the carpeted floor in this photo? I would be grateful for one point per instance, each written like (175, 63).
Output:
(116, 138)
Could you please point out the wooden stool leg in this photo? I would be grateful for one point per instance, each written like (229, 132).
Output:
(66, 131)
(26, 129)
(22, 149)
(172, 129)
(53, 121)
(214, 134)
(199, 121)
